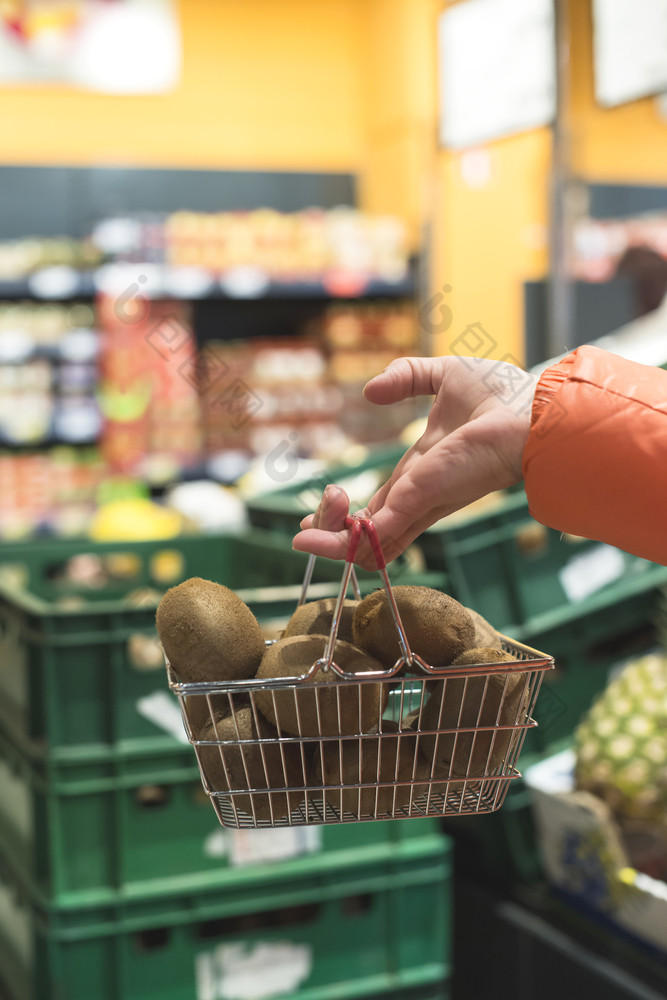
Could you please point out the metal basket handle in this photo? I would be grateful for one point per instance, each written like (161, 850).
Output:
(357, 525)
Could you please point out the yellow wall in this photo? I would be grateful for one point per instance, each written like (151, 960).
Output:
(490, 239)
(265, 84)
(400, 109)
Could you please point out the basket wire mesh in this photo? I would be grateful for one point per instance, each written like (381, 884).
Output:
(414, 740)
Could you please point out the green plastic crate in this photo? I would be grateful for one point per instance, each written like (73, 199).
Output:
(345, 934)
(69, 672)
(509, 568)
(88, 832)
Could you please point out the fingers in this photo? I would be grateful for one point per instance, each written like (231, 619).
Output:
(406, 377)
(331, 512)
(329, 544)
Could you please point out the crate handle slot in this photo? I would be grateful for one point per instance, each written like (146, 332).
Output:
(152, 939)
(152, 796)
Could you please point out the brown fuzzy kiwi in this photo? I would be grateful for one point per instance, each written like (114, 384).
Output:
(482, 654)
(360, 706)
(208, 633)
(470, 702)
(315, 618)
(222, 705)
(438, 628)
(485, 634)
(383, 761)
(254, 766)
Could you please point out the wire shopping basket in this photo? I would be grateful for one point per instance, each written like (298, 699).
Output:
(413, 740)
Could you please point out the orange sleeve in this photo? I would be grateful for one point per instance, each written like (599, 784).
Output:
(595, 462)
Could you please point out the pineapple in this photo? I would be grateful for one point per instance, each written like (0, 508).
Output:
(621, 744)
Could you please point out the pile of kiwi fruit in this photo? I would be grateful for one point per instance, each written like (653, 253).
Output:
(209, 634)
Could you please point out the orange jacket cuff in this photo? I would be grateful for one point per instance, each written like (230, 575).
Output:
(595, 462)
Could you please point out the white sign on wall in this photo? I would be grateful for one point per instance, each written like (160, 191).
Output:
(497, 69)
(630, 49)
(124, 47)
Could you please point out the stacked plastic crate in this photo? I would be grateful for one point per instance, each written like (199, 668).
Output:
(116, 881)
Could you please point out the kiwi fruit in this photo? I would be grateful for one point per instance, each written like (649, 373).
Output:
(470, 702)
(380, 759)
(315, 618)
(485, 634)
(222, 706)
(208, 633)
(482, 654)
(438, 628)
(254, 766)
(320, 706)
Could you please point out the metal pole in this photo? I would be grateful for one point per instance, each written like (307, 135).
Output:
(559, 291)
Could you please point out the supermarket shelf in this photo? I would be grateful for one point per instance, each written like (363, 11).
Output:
(157, 282)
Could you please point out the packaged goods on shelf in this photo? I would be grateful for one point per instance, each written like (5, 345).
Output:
(21, 257)
(48, 374)
(54, 490)
(148, 389)
(292, 247)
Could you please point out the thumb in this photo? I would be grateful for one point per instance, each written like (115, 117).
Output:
(406, 377)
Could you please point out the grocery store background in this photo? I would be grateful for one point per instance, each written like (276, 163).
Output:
(218, 219)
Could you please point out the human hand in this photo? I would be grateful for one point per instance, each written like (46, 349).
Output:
(472, 445)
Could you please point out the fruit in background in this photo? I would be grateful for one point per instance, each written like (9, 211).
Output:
(621, 744)
(437, 627)
(134, 520)
(208, 632)
(320, 707)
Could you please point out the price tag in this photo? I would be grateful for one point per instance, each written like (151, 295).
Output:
(162, 710)
(188, 282)
(245, 283)
(54, 283)
(250, 847)
(79, 345)
(127, 281)
(15, 346)
(588, 572)
(252, 971)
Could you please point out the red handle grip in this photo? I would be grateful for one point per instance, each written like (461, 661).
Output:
(357, 525)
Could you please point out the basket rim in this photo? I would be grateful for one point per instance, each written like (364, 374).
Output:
(536, 661)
